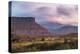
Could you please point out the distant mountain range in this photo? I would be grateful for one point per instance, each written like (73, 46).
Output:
(60, 29)
(27, 25)
(66, 30)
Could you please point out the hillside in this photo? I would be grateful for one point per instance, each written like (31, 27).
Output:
(27, 26)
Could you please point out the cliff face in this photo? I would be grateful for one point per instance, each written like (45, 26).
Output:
(27, 26)
(23, 19)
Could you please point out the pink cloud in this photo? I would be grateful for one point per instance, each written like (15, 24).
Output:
(62, 20)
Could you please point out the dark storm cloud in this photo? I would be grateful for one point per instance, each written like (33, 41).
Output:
(67, 10)
(63, 11)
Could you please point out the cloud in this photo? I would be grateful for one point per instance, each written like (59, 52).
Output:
(62, 20)
(63, 15)
(43, 12)
(46, 11)
(67, 10)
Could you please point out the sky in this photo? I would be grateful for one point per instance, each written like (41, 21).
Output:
(47, 14)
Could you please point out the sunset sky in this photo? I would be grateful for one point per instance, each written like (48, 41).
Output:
(47, 13)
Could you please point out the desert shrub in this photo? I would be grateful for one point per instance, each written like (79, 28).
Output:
(47, 46)
(42, 39)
